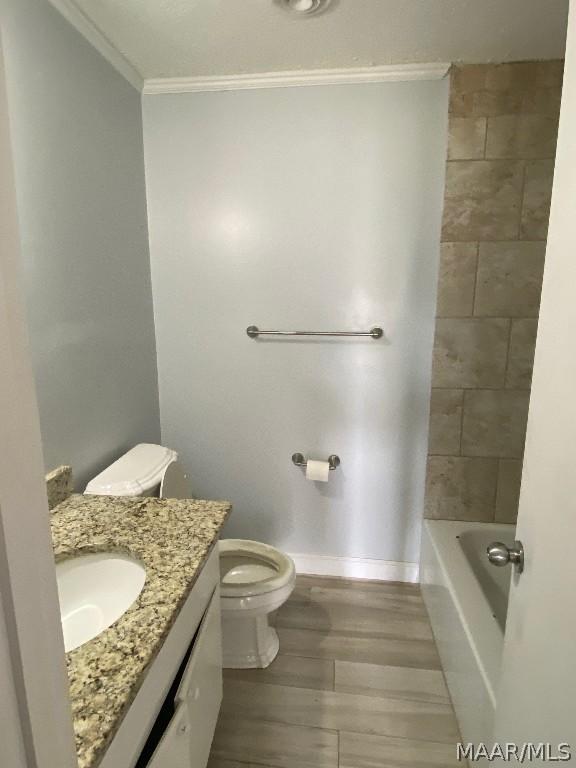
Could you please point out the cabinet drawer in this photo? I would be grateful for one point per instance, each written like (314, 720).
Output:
(173, 751)
(201, 686)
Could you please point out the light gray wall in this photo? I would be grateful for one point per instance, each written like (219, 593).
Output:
(77, 137)
(309, 208)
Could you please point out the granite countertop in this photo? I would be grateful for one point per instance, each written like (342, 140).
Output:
(173, 539)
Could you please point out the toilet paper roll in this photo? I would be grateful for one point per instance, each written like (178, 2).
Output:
(318, 471)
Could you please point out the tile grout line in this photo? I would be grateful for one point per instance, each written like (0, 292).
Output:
(337, 731)
(251, 764)
(461, 427)
(347, 661)
(477, 267)
(522, 195)
(405, 699)
(400, 738)
(490, 317)
(487, 119)
(496, 489)
(479, 456)
(462, 423)
(503, 159)
(485, 389)
(507, 363)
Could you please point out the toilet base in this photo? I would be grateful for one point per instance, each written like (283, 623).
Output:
(248, 642)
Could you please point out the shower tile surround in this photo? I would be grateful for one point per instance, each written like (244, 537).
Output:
(503, 125)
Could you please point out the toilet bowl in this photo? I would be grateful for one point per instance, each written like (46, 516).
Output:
(255, 580)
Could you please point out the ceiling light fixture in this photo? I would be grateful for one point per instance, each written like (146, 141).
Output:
(303, 7)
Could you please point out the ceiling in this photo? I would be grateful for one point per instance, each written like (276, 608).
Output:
(191, 38)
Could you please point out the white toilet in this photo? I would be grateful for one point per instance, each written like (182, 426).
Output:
(255, 579)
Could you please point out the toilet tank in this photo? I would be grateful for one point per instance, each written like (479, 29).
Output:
(137, 473)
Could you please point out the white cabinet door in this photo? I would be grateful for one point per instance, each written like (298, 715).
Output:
(201, 687)
(173, 751)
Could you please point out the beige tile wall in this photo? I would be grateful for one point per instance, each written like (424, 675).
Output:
(502, 139)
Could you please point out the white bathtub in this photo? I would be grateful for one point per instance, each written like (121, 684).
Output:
(467, 599)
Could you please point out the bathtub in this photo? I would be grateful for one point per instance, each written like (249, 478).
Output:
(467, 601)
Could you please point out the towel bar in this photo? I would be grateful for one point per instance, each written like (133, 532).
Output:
(374, 333)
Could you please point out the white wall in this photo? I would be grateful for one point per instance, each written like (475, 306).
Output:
(77, 138)
(312, 208)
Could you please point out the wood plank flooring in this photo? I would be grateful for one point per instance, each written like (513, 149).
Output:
(357, 684)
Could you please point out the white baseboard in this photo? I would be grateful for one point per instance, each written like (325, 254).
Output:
(356, 568)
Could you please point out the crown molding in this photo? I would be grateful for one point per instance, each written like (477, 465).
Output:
(72, 13)
(382, 74)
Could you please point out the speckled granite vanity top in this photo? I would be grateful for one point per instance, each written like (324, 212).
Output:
(173, 539)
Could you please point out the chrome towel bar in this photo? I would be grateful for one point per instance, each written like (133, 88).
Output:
(374, 333)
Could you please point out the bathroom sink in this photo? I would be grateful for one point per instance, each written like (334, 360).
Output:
(94, 591)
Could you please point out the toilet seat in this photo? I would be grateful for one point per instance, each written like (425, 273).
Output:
(250, 568)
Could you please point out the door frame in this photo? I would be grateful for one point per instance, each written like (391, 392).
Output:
(33, 677)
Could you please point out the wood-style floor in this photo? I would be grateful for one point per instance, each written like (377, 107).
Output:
(357, 684)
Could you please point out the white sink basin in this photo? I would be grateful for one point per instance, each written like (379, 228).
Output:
(94, 591)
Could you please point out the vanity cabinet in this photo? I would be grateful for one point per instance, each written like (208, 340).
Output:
(188, 737)
(171, 722)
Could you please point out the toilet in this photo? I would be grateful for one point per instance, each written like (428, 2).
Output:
(255, 579)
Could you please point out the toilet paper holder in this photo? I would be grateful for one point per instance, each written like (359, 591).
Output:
(299, 460)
